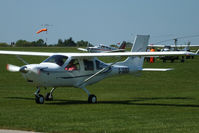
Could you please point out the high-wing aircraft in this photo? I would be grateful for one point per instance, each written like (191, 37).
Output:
(178, 46)
(104, 49)
(175, 46)
(82, 69)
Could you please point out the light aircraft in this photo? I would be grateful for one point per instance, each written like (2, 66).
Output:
(175, 47)
(82, 69)
(172, 46)
(104, 49)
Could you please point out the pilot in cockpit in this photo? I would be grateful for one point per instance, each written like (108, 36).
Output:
(71, 66)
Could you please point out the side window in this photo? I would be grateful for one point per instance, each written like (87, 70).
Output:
(88, 65)
(73, 65)
(98, 65)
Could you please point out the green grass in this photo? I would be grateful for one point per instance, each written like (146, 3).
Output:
(152, 102)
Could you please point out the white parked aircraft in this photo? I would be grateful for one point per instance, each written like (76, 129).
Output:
(175, 46)
(82, 69)
(178, 46)
(104, 49)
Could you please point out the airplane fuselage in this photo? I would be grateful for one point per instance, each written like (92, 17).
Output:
(47, 74)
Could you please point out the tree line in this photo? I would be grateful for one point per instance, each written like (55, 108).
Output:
(61, 43)
(41, 43)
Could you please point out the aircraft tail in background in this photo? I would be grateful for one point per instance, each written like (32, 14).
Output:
(123, 45)
(140, 44)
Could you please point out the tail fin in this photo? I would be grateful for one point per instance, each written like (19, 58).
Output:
(140, 45)
(123, 45)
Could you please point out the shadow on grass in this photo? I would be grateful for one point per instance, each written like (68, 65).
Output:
(134, 101)
(20, 98)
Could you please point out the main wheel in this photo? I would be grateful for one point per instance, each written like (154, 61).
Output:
(49, 97)
(92, 99)
(39, 99)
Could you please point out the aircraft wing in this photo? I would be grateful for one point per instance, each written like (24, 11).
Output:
(83, 49)
(170, 53)
(26, 53)
(118, 50)
(129, 54)
(157, 69)
(156, 45)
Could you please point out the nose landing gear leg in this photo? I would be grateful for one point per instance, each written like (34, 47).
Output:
(49, 95)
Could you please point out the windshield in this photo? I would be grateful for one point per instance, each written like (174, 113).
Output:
(58, 59)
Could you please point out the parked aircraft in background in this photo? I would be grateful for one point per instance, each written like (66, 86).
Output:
(104, 49)
(82, 69)
(175, 46)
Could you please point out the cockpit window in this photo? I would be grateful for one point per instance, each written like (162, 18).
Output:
(58, 59)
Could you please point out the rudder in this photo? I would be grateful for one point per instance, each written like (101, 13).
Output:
(140, 44)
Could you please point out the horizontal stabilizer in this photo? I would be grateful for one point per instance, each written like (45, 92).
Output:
(157, 69)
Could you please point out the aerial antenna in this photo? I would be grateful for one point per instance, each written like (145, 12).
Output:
(175, 43)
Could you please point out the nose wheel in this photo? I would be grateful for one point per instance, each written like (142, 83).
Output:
(39, 99)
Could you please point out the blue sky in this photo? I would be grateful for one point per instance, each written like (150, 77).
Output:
(99, 21)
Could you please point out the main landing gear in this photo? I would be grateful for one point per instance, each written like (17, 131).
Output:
(91, 98)
(39, 99)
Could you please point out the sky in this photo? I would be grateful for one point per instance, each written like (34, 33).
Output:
(99, 21)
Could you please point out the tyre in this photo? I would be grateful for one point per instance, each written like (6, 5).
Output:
(39, 99)
(92, 99)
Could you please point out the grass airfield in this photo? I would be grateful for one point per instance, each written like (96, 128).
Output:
(152, 102)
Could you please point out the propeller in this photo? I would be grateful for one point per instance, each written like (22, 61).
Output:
(12, 68)
(23, 69)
